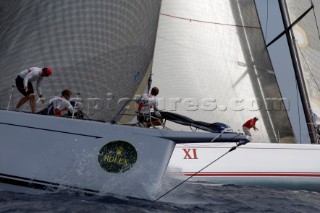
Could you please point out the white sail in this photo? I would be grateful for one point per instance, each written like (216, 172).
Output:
(101, 50)
(104, 50)
(307, 41)
(211, 64)
(290, 166)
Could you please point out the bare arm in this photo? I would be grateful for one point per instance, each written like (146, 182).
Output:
(253, 126)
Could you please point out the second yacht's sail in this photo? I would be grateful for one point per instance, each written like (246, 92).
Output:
(307, 42)
(211, 64)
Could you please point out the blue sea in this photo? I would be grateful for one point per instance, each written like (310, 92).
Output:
(189, 197)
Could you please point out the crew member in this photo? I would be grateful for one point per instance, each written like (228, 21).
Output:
(148, 108)
(251, 123)
(25, 87)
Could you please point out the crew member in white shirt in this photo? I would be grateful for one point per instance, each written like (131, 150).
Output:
(61, 105)
(148, 105)
(24, 85)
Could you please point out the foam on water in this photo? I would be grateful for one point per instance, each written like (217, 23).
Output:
(189, 197)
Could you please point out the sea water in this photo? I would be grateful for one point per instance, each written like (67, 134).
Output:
(189, 197)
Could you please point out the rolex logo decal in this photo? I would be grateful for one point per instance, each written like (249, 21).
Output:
(117, 156)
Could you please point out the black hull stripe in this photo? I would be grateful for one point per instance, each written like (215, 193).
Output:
(43, 185)
(51, 130)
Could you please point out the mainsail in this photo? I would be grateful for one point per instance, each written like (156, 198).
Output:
(99, 49)
(306, 40)
(211, 64)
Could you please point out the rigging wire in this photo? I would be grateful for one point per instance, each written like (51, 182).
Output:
(267, 20)
(312, 77)
(308, 66)
(208, 22)
(315, 17)
(114, 120)
(310, 71)
(316, 20)
(230, 150)
(297, 89)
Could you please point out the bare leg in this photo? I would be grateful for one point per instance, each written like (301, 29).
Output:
(157, 122)
(22, 101)
(33, 103)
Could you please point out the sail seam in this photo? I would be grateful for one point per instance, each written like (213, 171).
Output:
(209, 22)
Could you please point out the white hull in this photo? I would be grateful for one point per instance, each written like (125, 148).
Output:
(49, 153)
(291, 166)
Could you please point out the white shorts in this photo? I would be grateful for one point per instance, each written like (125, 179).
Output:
(246, 130)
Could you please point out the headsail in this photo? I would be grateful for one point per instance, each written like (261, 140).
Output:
(307, 43)
(100, 49)
(211, 64)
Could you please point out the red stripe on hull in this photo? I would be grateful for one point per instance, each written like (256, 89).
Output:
(255, 174)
